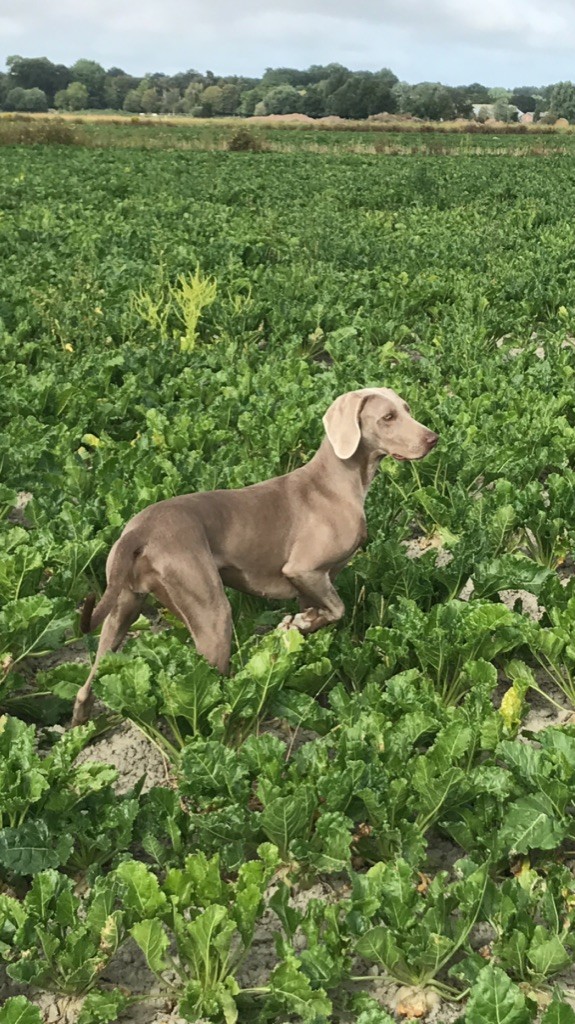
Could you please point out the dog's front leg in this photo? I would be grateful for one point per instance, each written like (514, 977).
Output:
(321, 601)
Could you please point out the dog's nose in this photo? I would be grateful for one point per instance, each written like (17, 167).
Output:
(432, 439)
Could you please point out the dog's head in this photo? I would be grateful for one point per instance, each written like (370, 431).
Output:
(381, 421)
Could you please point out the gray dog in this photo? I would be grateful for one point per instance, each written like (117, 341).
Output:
(287, 537)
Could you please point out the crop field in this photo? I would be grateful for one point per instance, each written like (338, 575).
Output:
(370, 824)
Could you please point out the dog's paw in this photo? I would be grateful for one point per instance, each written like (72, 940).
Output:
(79, 718)
(304, 621)
(287, 623)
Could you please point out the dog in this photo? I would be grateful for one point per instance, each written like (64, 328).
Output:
(287, 537)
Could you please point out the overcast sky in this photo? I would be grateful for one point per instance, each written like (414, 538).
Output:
(498, 42)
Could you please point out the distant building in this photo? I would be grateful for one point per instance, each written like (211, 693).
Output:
(487, 109)
(484, 108)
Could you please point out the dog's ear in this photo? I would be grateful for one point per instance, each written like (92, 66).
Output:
(341, 423)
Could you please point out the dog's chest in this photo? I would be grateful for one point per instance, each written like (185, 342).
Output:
(258, 581)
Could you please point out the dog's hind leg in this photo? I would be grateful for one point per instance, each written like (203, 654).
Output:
(116, 625)
(192, 589)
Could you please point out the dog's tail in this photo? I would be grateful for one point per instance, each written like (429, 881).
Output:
(86, 614)
(92, 615)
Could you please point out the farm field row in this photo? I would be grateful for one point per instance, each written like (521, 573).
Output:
(368, 824)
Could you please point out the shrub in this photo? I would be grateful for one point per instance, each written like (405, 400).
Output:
(244, 141)
(17, 131)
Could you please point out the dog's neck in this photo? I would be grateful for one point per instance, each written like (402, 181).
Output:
(354, 475)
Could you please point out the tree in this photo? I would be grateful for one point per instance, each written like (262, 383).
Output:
(282, 99)
(171, 101)
(15, 98)
(250, 100)
(231, 96)
(335, 75)
(116, 88)
(461, 104)
(503, 111)
(540, 108)
(526, 101)
(150, 99)
(497, 93)
(132, 102)
(274, 77)
(432, 101)
(350, 100)
(191, 103)
(313, 102)
(211, 101)
(363, 94)
(562, 102)
(29, 100)
(37, 73)
(484, 113)
(92, 75)
(36, 100)
(183, 79)
(477, 93)
(157, 80)
(545, 92)
(145, 99)
(75, 97)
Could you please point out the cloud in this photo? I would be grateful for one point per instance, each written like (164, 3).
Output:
(9, 26)
(450, 40)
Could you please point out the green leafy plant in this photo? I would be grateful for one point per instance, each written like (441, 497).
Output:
(55, 813)
(496, 998)
(421, 926)
(454, 642)
(545, 510)
(165, 681)
(30, 627)
(533, 918)
(97, 1008)
(102, 1007)
(552, 648)
(185, 300)
(392, 766)
(529, 806)
(211, 923)
(18, 1010)
(57, 940)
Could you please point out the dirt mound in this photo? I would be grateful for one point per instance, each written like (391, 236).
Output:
(293, 118)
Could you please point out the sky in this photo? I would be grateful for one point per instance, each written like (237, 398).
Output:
(496, 42)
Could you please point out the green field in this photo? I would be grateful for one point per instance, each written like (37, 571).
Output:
(402, 760)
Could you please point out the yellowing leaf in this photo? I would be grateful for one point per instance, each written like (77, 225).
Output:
(511, 707)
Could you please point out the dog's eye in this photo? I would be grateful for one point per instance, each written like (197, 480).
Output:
(390, 416)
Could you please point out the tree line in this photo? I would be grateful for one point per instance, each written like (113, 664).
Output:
(37, 84)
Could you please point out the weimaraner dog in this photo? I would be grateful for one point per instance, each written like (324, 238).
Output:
(287, 537)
